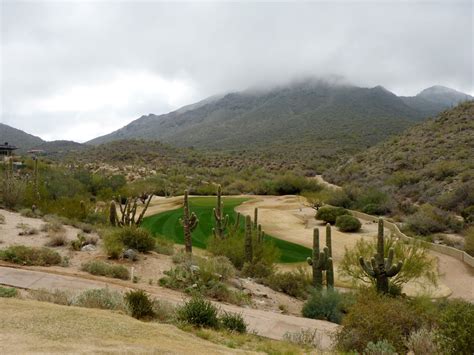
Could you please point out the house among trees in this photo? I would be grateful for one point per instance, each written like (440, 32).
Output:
(6, 149)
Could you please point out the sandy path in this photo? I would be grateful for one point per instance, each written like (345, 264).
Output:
(286, 217)
(268, 324)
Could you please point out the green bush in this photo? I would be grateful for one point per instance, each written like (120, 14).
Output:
(429, 219)
(294, 283)
(468, 214)
(374, 318)
(456, 327)
(382, 347)
(347, 223)
(137, 238)
(375, 209)
(113, 245)
(199, 312)
(233, 322)
(20, 254)
(327, 305)
(101, 268)
(469, 241)
(8, 292)
(139, 304)
(101, 298)
(329, 214)
(163, 246)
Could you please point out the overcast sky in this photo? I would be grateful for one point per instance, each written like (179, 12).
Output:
(77, 70)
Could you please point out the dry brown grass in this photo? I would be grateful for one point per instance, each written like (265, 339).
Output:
(31, 326)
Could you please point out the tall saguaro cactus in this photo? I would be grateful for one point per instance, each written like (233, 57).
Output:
(189, 223)
(321, 261)
(381, 268)
(221, 220)
(248, 240)
(255, 218)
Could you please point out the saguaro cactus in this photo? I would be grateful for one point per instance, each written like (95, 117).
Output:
(248, 240)
(221, 220)
(322, 261)
(381, 268)
(255, 218)
(113, 218)
(189, 223)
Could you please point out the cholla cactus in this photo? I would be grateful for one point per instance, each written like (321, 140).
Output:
(128, 212)
(189, 223)
(221, 221)
(381, 268)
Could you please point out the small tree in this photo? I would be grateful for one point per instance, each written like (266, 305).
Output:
(417, 263)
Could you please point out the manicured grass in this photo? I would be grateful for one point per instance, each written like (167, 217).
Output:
(167, 224)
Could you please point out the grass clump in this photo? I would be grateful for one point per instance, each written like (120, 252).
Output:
(347, 223)
(116, 240)
(101, 268)
(305, 337)
(101, 298)
(139, 304)
(328, 305)
(8, 292)
(26, 229)
(32, 256)
(56, 296)
(199, 312)
(2, 219)
(294, 283)
(57, 239)
(233, 322)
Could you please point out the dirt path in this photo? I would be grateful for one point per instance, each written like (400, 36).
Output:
(268, 324)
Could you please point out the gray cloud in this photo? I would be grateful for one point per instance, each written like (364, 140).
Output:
(80, 69)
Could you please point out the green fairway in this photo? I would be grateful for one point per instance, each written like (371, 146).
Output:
(167, 224)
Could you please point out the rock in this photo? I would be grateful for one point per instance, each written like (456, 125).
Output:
(194, 268)
(247, 292)
(88, 247)
(130, 254)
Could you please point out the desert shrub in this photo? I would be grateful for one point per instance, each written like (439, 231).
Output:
(82, 240)
(329, 214)
(53, 226)
(113, 246)
(347, 223)
(29, 213)
(56, 296)
(218, 266)
(456, 327)
(305, 337)
(102, 298)
(101, 268)
(294, 283)
(199, 312)
(257, 269)
(429, 219)
(382, 347)
(137, 238)
(2, 219)
(56, 240)
(8, 292)
(233, 322)
(328, 305)
(375, 209)
(85, 227)
(469, 241)
(163, 246)
(417, 263)
(467, 214)
(139, 304)
(374, 318)
(20, 254)
(422, 341)
(26, 229)
(339, 198)
(163, 311)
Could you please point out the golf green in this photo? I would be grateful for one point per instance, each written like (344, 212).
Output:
(167, 225)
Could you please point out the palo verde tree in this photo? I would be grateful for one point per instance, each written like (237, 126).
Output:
(381, 268)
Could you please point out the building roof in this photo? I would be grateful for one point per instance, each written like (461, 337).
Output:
(7, 146)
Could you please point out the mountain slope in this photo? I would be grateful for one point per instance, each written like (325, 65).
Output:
(300, 121)
(435, 99)
(308, 121)
(431, 162)
(20, 139)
